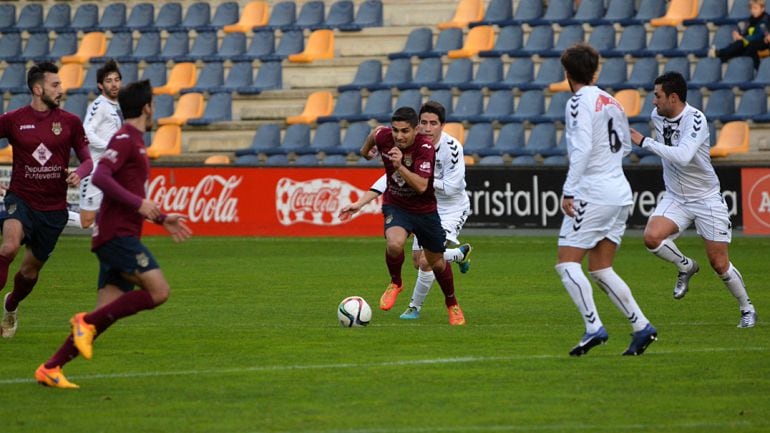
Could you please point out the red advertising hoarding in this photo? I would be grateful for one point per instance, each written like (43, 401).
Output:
(755, 184)
(266, 201)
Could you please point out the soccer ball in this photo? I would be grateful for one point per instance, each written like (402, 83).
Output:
(354, 312)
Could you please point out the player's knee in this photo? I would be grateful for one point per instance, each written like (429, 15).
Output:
(160, 293)
(652, 240)
(9, 249)
(86, 222)
(720, 264)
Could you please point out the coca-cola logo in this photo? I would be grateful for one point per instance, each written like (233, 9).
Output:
(211, 200)
(317, 201)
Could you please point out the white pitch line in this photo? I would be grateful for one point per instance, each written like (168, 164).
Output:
(434, 361)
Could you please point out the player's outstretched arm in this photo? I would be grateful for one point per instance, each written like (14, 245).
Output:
(176, 226)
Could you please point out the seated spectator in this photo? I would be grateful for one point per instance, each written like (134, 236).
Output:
(754, 37)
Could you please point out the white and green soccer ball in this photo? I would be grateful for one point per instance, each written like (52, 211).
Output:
(354, 312)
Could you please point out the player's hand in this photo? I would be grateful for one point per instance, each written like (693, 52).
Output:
(373, 152)
(149, 209)
(567, 205)
(177, 227)
(636, 137)
(73, 179)
(395, 155)
(348, 211)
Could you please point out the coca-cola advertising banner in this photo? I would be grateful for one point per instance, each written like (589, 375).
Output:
(266, 201)
(756, 200)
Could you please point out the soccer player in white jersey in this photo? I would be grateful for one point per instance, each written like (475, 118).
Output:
(453, 206)
(596, 202)
(103, 118)
(692, 192)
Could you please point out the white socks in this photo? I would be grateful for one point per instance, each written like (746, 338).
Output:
(73, 220)
(668, 251)
(620, 295)
(453, 255)
(579, 288)
(421, 288)
(734, 283)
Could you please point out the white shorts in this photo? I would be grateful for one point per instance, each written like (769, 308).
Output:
(452, 222)
(711, 217)
(592, 223)
(90, 195)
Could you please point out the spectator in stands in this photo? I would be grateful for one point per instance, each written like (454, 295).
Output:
(754, 37)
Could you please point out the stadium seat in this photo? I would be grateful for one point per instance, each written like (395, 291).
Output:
(542, 140)
(631, 101)
(120, 47)
(17, 101)
(694, 41)
(198, 15)
(182, 76)
(7, 18)
(739, 70)
(217, 160)
(64, 45)
(374, 162)
(262, 45)
(710, 10)
(531, 104)
(6, 152)
(467, 11)
(347, 104)
(240, 75)
(678, 64)
(559, 86)
(469, 104)
(169, 16)
(647, 107)
(167, 140)
(204, 46)
(643, 75)
(648, 9)
(369, 15)
(190, 106)
(113, 17)
(510, 140)
(355, 135)
(327, 139)
(491, 160)
(419, 41)
(340, 14)
(267, 137)
(369, 73)
(479, 38)
(429, 72)
(443, 97)
(633, 38)
(540, 40)
(707, 71)
(320, 45)
(406, 98)
(57, 18)
(296, 139)
(35, 49)
(733, 138)
(753, 104)
(459, 71)
(93, 44)
(176, 47)
(310, 16)
(663, 39)
(617, 11)
(89, 82)
(489, 72)
(269, 76)
(147, 46)
(211, 77)
(71, 75)
(14, 79)
(292, 42)
(233, 45)
(226, 14)
(448, 40)
(306, 160)
(30, 18)
(480, 138)
(762, 77)
(568, 36)
(720, 103)
(587, 11)
(520, 71)
(556, 12)
(526, 12)
(739, 11)
(77, 104)
(129, 71)
(254, 14)
(498, 12)
(219, 108)
(510, 38)
(141, 17)
(723, 36)
(678, 11)
(556, 108)
(282, 16)
(399, 72)
(278, 160)
(556, 160)
(524, 160)
(602, 37)
(650, 160)
(335, 160)
(694, 98)
(499, 106)
(10, 46)
(470, 160)
(164, 106)
(319, 103)
(456, 130)
(550, 72)
(379, 104)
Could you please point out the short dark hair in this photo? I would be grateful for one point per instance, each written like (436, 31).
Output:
(133, 97)
(109, 67)
(405, 114)
(434, 107)
(673, 82)
(581, 61)
(36, 73)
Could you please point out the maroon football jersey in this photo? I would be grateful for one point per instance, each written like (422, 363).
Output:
(121, 174)
(42, 142)
(419, 158)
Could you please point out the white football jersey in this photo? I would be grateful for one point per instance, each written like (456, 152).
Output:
(448, 176)
(598, 138)
(687, 170)
(103, 119)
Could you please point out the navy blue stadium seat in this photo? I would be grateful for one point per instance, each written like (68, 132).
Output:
(307, 160)
(7, 18)
(267, 137)
(197, 16)
(531, 104)
(340, 14)
(480, 138)
(355, 135)
(204, 45)
(89, 81)
(64, 44)
(526, 12)
(348, 104)
(14, 79)
(459, 72)
(469, 104)
(164, 106)
(58, 18)
(499, 106)
(633, 38)
(335, 160)
(406, 98)
(762, 77)
(614, 72)
(241, 74)
(419, 41)
(429, 72)
(556, 108)
(30, 17)
(156, 73)
(121, 46)
(233, 44)
(642, 75)
(753, 104)
(489, 72)
(720, 104)
(141, 17)
(491, 160)
(496, 13)
(540, 41)
(646, 110)
(374, 162)
(602, 37)
(648, 9)
(177, 46)
(524, 160)
(399, 72)
(678, 64)
(587, 11)
(369, 14)
(36, 48)
(556, 160)
(568, 36)
(443, 97)
(379, 104)
(269, 76)
(261, 46)
(296, 139)
(113, 17)
(617, 11)
(369, 73)
(448, 40)
(148, 45)
(739, 11)
(520, 71)
(310, 16)
(17, 101)
(510, 140)
(739, 70)
(557, 11)
(278, 160)
(723, 36)
(695, 98)
(77, 104)
(210, 78)
(650, 160)
(219, 108)
(550, 72)
(247, 160)
(292, 42)
(169, 16)
(707, 71)
(663, 39)
(283, 15)
(10, 46)
(327, 139)
(695, 40)
(710, 10)
(510, 38)
(226, 13)
(542, 140)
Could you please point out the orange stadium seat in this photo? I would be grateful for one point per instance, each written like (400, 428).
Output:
(6, 155)
(631, 101)
(456, 130)
(255, 14)
(733, 138)
(678, 11)
(182, 76)
(71, 75)
(189, 106)
(167, 140)
(469, 160)
(217, 160)
(320, 45)
(467, 11)
(481, 38)
(319, 103)
(93, 44)
(560, 86)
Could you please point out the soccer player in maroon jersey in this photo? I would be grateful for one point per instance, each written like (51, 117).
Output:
(409, 205)
(123, 260)
(42, 136)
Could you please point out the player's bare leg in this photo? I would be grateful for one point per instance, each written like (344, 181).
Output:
(659, 241)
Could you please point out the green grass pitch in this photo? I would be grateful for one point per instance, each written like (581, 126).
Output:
(249, 343)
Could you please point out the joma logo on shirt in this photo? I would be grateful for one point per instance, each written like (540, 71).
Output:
(23, 127)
